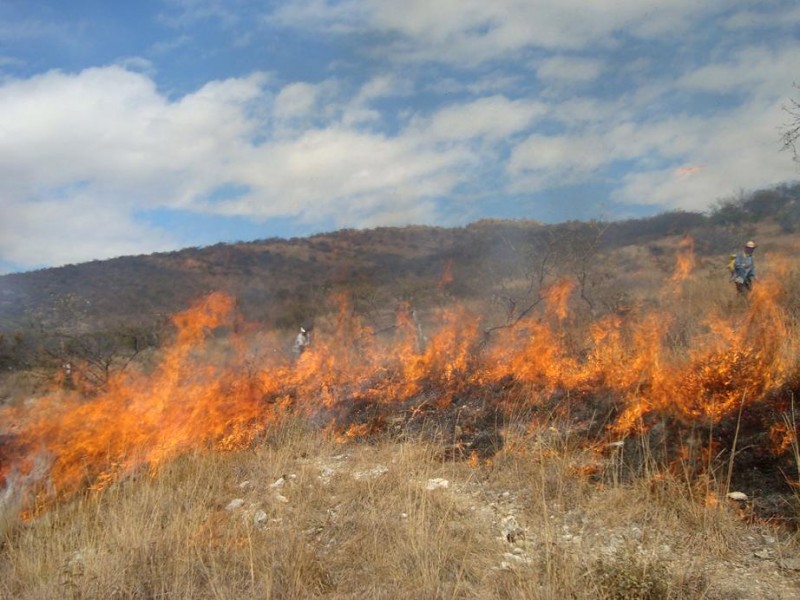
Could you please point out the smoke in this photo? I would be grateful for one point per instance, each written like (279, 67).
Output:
(18, 485)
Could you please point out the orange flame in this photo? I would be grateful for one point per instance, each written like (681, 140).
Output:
(685, 261)
(206, 395)
(142, 419)
(447, 275)
(557, 297)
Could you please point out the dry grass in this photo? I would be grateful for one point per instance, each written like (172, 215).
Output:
(357, 521)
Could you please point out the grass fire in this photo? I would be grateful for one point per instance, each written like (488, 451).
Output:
(570, 448)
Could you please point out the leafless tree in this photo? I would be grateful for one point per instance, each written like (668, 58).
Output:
(791, 131)
(63, 337)
(570, 250)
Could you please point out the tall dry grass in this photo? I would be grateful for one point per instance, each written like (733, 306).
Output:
(321, 519)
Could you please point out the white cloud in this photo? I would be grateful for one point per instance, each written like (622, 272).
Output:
(166, 46)
(766, 17)
(750, 70)
(473, 31)
(383, 86)
(305, 105)
(10, 61)
(493, 118)
(736, 150)
(569, 69)
(75, 229)
(82, 152)
(669, 138)
(344, 175)
(189, 11)
(541, 161)
(738, 147)
(110, 125)
(359, 111)
(678, 161)
(580, 111)
(296, 100)
(85, 152)
(13, 30)
(487, 84)
(137, 63)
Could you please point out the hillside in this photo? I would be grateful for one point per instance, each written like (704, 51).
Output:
(508, 410)
(276, 279)
(124, 304)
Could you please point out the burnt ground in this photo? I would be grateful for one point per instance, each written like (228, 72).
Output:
(738, 451)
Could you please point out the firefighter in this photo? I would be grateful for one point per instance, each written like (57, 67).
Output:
(743, 271)
(67, 366)
(302, 341)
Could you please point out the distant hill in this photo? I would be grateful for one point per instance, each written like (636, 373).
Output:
(281, 282)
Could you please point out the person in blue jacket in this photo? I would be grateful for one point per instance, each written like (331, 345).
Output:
(744, 268)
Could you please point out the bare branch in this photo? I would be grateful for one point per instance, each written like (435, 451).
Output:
(791, 132)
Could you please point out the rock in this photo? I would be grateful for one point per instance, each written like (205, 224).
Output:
(326, 474)
(245, 484)
(511, 530)
(75, 565)
(790, 564)
(608, 551)
(281, 498)
(76, 560)
(437, 483)
(234, 504)
(738, 496)
(260, 518)
(372, 473)
(763, 554)
(512, 537)
(278, 483)
(512, 558)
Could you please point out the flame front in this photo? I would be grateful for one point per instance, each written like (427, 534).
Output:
(207, 395)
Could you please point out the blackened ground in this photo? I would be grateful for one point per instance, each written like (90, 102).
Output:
(469, 424)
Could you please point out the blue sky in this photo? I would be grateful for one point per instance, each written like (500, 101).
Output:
(138, 127)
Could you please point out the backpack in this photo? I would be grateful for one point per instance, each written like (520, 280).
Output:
(732, 263)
